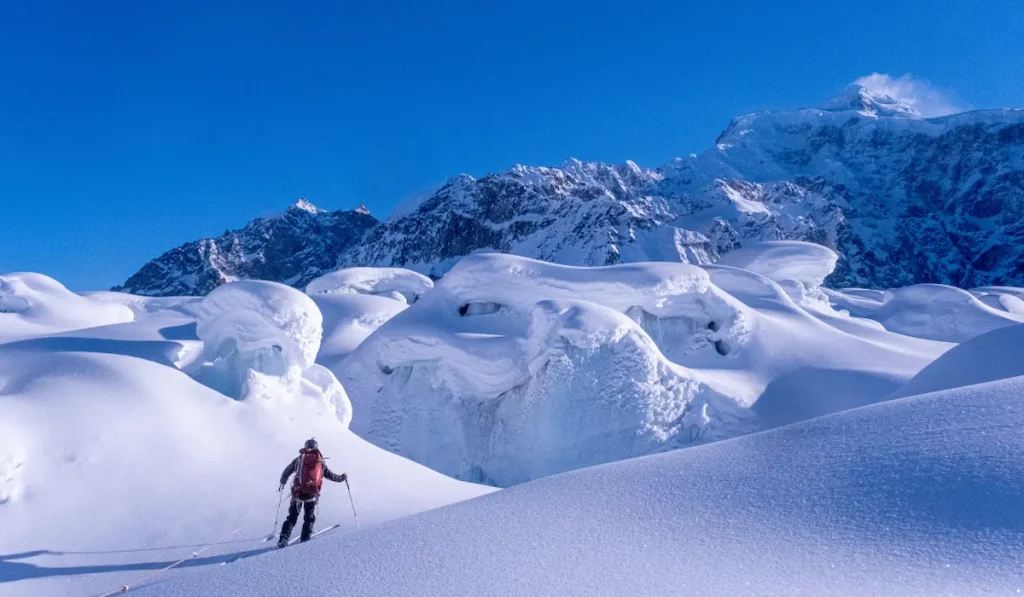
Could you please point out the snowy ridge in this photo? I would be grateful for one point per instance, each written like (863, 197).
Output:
(293, 247)
(900, 198)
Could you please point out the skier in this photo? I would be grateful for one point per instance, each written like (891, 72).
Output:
(309, 469)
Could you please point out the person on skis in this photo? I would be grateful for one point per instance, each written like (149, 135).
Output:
(309, 470)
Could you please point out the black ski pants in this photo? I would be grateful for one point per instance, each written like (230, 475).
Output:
(309, 517)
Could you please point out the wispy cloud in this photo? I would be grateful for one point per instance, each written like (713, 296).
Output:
(917, 93)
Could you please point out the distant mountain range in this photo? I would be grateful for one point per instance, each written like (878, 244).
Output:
(903, 199)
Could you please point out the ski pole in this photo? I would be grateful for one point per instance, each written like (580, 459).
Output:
(277, 515)
(351, 501)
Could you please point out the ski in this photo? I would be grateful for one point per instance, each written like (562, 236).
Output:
(315, 534)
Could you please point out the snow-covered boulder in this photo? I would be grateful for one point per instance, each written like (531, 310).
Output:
(261, 340)
(33, 305)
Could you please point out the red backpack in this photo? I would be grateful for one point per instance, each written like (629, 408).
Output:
(309, 475)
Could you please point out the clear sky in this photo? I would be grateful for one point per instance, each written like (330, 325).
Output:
(130, 127)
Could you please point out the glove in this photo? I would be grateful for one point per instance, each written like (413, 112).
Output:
(281, 488)
(344, 477)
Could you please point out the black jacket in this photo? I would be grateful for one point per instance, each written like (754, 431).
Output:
(290, 470)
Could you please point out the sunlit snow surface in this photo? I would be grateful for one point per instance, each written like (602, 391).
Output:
(134, 431)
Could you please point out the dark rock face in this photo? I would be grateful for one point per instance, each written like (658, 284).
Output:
(902, 199)
(294, 247)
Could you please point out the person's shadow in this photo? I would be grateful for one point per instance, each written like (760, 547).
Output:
(13, 570)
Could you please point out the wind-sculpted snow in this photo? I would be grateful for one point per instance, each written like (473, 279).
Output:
(510, 369)
(261, 340)
(33, 304)
(800, 268)
(932, 311)
(940, 312)
(391, 282)
(513, 369)
(1002, 298)
(780, 261)
(356, 301)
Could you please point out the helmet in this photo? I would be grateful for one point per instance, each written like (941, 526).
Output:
(311, 444)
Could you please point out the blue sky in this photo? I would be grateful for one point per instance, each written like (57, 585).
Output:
(127, 128)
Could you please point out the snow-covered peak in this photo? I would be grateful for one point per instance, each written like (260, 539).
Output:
(869, 102)
(362, 209)
(303, 204)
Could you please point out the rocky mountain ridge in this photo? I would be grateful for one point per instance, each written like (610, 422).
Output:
(903, 199)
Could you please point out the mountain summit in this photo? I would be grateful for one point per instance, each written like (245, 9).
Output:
(869, 102)
(902, 199)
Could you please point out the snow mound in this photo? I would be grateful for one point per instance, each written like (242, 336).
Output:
(939, 312)
(391, 282)
(356, 301)
(270, 325)
(33, 304)
(799, 267)
(784, 260)
(994, 355)
(261, 340)
(858, 302)
(513, 369)
(849, 504)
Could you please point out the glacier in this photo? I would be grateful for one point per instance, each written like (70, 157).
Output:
(717, 397)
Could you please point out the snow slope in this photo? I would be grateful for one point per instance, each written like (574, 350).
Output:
(900, 498)
(115, 462)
